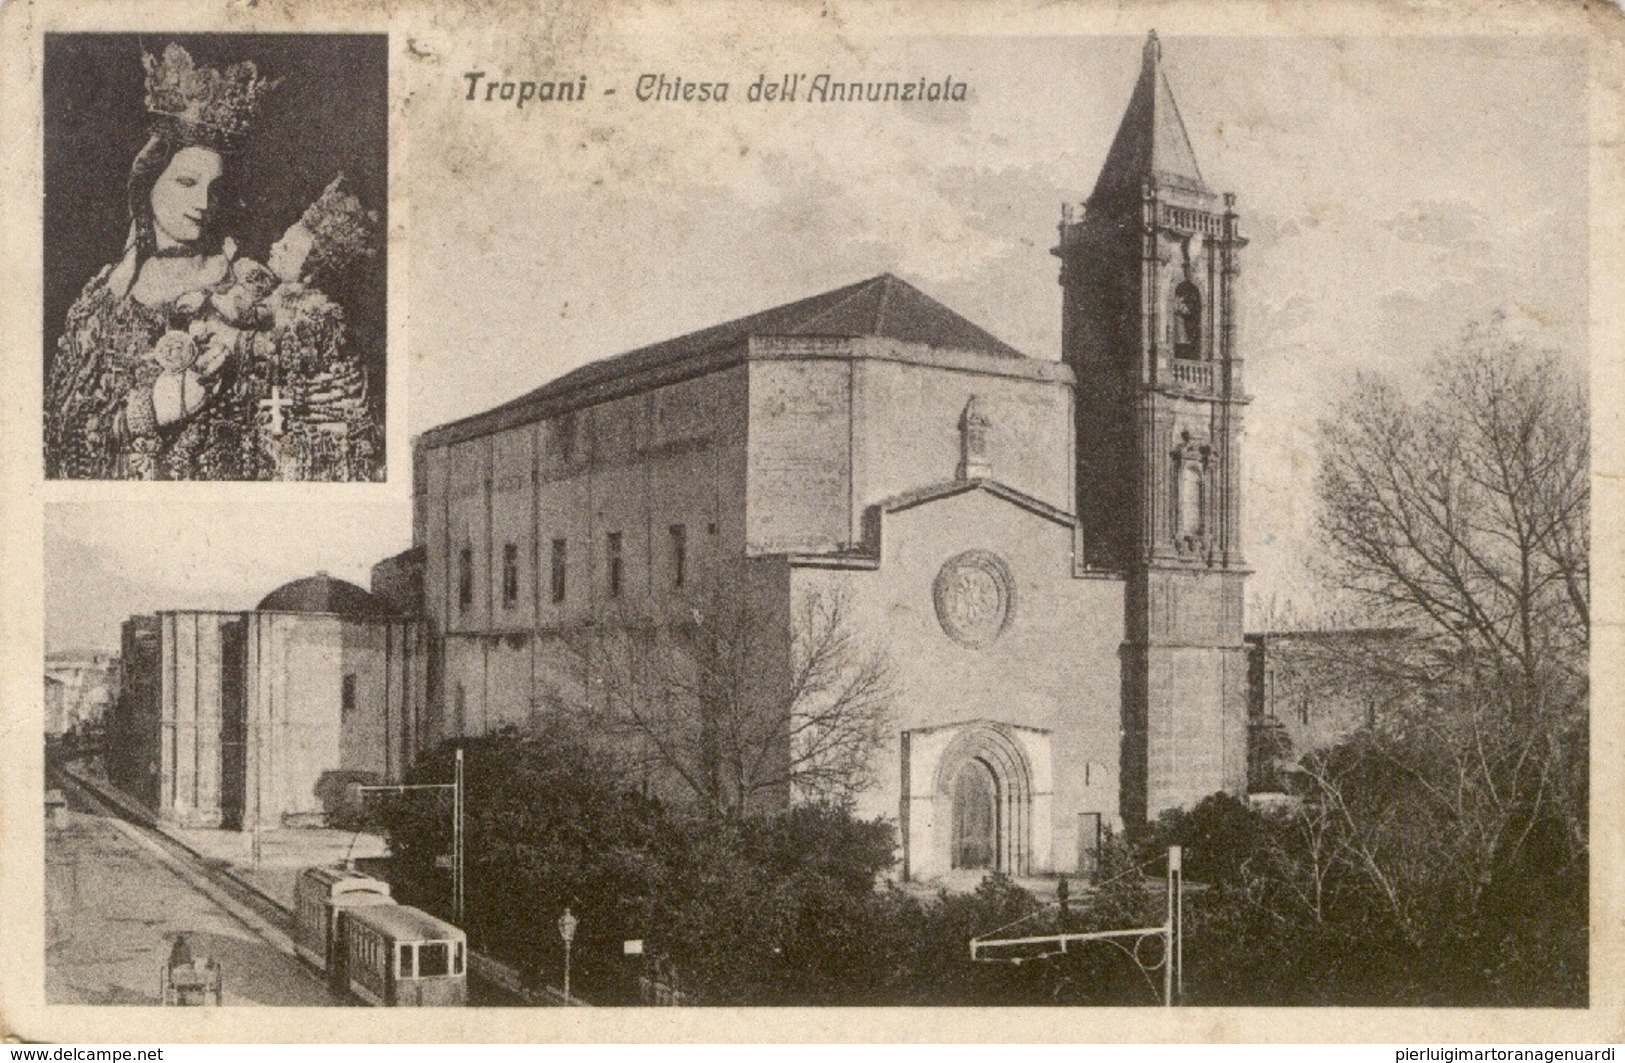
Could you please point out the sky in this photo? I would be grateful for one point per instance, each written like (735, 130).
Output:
(1394, 189)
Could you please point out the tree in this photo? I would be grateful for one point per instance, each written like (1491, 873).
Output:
(548, 824)
(746, 710)
(1466, 514)
(1462, 513)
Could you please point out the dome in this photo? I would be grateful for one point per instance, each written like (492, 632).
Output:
(322, 593)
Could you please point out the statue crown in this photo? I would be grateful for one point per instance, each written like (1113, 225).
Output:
(216, 106)
(342, 230)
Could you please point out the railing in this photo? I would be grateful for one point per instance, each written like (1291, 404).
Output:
(1196, 375)
(1195, 220)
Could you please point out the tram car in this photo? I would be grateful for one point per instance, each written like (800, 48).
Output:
(403, 957)
(320, 896)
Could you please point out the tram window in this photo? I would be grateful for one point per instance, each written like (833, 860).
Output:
(457, 958)
(433, 957)
(405, 970)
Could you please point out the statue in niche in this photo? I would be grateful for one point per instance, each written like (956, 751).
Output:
(1187, 321)
(1190, 496)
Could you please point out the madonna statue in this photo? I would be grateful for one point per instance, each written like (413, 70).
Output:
(186, 360)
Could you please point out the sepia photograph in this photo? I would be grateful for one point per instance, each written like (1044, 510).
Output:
(1056, 517)
(214, 296)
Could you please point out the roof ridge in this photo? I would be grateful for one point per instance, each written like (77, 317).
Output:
(860, 288)
(1179, 122)
(886, 282)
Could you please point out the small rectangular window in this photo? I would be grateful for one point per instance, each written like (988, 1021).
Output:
(457, 958)
(615, 564)
(510, 574)
(465, 577)
(406, 968)
(434, 959)
(679, 554)
(347, 695)
(559, 557)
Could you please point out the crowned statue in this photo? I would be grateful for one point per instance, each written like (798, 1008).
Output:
(188, 360)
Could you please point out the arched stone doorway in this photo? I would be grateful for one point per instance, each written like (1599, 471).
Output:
(985, 782)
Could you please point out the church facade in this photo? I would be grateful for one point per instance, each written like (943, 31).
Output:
(1048, 550)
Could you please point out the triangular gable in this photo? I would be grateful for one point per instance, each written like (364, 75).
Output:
(866, 555)
(948, 489)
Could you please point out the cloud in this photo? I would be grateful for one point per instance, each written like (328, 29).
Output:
(1455, 224)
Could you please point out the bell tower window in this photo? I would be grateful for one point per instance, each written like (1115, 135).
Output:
(1187, 322)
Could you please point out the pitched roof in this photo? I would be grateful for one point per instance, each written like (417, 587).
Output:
(882, 306)
(322, 593)
(1151, 141)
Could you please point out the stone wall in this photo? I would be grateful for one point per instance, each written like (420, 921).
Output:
(132, 740)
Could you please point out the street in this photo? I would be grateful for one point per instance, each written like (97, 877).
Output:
(112, 905)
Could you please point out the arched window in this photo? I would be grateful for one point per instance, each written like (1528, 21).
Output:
(1187, 321)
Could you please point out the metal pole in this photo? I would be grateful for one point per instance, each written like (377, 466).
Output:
(1167, 932)
(567, 971)
(457, 840)
(1179, 923)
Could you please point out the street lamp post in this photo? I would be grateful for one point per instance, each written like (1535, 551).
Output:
(567, 931)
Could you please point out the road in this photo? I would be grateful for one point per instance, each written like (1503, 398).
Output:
(116, 893)
(113, 900)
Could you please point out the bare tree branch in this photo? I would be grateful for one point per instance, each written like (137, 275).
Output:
(740, 711)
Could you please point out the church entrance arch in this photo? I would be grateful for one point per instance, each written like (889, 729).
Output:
(986, 781)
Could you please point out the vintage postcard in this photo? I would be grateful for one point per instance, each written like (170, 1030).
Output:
(994, 522)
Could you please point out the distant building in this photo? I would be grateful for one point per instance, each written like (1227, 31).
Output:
(56, 719)
(260, 717)
(1310, 690)
(89, 685)
(1051, 550)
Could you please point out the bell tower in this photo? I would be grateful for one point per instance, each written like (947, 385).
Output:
(1149, 265)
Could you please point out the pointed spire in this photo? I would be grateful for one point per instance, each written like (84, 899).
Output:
(1151, 141)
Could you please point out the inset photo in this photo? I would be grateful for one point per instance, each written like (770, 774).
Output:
(215, 297)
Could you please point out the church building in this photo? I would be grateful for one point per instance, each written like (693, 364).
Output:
(1048, 550)
(238, 719)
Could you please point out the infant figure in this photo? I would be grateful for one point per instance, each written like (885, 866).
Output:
(221, 319)
(328, 432)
